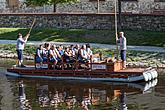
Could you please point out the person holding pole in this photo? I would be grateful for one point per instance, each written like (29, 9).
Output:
(20, 47)
(21, 44)
(123, 47)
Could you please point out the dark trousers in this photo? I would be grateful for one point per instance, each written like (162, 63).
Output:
(123, 55)
(20, 54)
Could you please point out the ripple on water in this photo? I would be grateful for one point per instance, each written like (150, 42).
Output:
(7, 97)
(105, 95)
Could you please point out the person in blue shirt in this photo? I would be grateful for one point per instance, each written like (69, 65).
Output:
(20, 47)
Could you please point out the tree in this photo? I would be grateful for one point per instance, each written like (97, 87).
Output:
(48, 2)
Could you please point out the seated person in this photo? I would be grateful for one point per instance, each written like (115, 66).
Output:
(72, 50)
(76, 49)
(83, 55)
(68, 56)
(73, 53)
(61, 50)
(53, 55)
(46, 52)
(39, 54)
(89, 52)
(59, 56)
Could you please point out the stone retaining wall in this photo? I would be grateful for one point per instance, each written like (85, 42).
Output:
(108, 6)
(87, 6)
(149, 22)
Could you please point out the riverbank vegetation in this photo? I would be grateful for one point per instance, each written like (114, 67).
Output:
(84, 35)
(134, 58)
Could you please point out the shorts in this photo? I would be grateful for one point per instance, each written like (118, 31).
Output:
(20, 54)
(52, 60)
(123, 55)
(58, 59)
(38, 59)
(82, 60)
(45, 59)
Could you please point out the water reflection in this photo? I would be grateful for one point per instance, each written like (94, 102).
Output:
(77, 95)
(123, 105)
(53, 97)
(81, 95)
(24, 103)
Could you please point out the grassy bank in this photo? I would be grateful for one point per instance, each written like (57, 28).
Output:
(82, 35)
(134, 58)
(29, 49)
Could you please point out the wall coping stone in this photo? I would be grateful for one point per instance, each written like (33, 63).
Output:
(78, 14)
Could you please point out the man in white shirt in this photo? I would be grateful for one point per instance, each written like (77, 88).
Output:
(123, 47)
(20, 47)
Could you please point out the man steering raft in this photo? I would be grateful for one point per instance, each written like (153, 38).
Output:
(123, 47)
(20, 47)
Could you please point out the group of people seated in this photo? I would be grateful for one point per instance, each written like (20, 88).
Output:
(50, 53)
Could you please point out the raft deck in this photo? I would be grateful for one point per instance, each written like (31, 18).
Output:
(97, 71)
(54, 72)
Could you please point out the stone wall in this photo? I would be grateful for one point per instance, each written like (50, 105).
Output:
(84, 6)
(85, 21)
(107, 6)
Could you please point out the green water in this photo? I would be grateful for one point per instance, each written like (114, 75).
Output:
(42, 94)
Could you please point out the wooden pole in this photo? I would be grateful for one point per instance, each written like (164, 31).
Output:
(119, 17)
(27, 36)
(98, 6)
(116, 29)
(32, 26)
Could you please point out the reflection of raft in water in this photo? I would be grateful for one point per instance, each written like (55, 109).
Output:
(97, 71)
(81, 93)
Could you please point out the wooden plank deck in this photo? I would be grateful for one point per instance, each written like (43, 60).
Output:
(32, 70)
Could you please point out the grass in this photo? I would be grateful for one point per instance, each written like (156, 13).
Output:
(29, 49)
(83, 35)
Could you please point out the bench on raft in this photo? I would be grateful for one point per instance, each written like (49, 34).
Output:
(101, 65)
(60, 65)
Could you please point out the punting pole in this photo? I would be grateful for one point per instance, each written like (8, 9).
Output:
(116, 29)
(26, 37)
(98, 6)
(32, 25)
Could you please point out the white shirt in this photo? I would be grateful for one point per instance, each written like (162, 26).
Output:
(123, 43)
(53, 53)
(89, 51)
(20, 44)
(84, 53)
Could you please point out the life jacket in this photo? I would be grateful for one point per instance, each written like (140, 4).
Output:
(40, 52)
(46, 53)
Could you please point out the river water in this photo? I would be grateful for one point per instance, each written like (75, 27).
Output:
(42, 94)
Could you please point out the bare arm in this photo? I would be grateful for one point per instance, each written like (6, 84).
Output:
(58, 54)
(117, 37)
(26, 37)
(22, 40)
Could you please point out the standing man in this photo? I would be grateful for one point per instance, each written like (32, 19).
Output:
(20, 47)
(123, 47)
